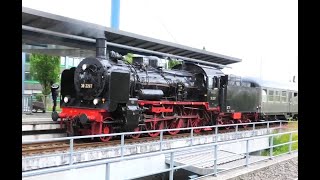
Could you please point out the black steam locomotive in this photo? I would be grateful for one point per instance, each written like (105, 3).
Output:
(105, 94)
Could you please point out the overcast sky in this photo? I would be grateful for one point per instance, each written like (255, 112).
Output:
(263, 33)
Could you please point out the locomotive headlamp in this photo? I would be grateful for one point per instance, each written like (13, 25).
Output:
(66, 99)
(95, 101)
(84, 66)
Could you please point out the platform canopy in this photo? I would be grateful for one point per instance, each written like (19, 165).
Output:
(47, 33)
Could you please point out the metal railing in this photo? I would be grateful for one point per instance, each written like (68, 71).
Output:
(26, 103)
(214, 145)
(33, 102)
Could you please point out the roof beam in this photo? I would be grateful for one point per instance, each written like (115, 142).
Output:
(184, 53)
(51, 36)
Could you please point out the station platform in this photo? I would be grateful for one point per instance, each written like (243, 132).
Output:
(40, 126)
(36, 117)
(38, 121)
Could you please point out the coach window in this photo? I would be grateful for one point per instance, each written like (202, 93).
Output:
(270, 96)
(295, 94)
(284, 96)
(277, 96)
(232, 83)
(245, 84)
(264, 95)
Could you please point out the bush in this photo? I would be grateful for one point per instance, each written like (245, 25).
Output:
(172, 63)
(284, 139)
(284, 148)
(39, 97)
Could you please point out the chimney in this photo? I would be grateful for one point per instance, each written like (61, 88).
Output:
(101, 48)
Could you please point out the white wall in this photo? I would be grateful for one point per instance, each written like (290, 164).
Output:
(88, 173)
(118, 170)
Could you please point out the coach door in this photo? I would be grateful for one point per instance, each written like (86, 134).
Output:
(294, 102)
(290, 102)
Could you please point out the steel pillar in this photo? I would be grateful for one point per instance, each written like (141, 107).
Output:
(115, 14)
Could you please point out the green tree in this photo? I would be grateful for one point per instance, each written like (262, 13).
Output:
(45, 69)
(128, 57)
(172, 63)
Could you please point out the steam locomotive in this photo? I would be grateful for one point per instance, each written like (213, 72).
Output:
(105, 94)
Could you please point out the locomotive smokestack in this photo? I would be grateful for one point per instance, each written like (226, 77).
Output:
(101, 48)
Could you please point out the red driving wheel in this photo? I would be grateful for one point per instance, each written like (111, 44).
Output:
(154, 125)
(175, 124)
(196, 123)
(106, 129)
(136, 136)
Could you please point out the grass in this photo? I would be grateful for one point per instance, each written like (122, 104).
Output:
(284, 139)
(292, 126)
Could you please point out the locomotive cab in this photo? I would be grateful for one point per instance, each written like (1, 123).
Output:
(210, 82)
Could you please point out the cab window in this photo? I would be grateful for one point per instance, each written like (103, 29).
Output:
(211, 84)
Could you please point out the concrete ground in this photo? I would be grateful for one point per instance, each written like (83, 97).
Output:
(282, 167)
(36, 117)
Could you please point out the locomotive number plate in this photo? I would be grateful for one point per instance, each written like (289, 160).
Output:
(86, 86)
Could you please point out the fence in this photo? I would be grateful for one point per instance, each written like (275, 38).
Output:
(26, 103)
(170, 153)
(29, 100)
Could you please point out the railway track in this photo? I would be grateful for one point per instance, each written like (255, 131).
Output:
(58, 146)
